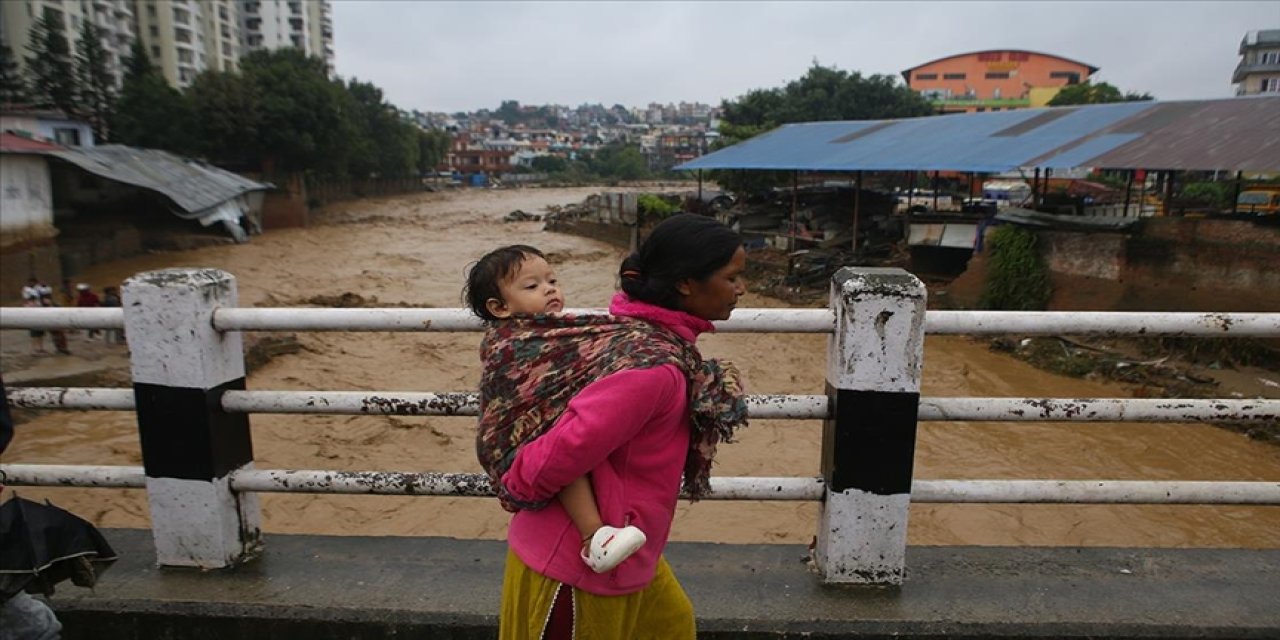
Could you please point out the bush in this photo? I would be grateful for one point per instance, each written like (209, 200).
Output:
(652, 206)
(1017, 276)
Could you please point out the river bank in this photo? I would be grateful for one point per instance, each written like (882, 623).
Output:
(413, 250)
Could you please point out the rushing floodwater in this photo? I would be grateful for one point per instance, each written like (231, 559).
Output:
(414, 250)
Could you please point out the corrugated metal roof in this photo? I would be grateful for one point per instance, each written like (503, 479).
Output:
(192, 185)
(14, 143)
(1235, 134)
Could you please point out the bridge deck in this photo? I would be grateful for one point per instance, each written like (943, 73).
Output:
(326, 588)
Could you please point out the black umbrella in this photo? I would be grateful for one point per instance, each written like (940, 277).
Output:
(42, 545)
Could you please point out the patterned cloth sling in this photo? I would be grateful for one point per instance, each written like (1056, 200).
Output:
(534, 365)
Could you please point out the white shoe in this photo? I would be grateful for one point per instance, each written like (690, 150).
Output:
(610, 546)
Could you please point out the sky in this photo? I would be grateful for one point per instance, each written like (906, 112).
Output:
(464, 56)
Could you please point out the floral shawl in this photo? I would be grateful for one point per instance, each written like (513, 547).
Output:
(534, 365)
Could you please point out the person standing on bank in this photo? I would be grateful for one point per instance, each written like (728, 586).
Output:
(649, 415)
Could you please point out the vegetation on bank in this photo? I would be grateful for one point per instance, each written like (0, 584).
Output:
(1017, 276)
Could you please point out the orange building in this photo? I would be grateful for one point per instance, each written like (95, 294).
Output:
(995, 80)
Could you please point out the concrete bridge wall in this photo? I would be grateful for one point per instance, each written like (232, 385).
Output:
(364, 588)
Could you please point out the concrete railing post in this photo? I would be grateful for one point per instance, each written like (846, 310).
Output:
(181, 367)
(868, 444)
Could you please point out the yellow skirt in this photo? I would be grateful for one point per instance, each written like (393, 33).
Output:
(661, 611)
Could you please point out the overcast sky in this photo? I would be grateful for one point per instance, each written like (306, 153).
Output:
(463, 56)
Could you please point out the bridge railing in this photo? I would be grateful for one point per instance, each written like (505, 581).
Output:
(192, 407)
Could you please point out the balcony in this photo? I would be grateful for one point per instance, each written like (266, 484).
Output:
(1245, 69)
(965, 101)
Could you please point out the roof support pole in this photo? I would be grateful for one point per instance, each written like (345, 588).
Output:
(1235, 194)
(795, 195)
(1035, 190)
(1142, 191)
(935, 190)
(699, 187)
(1168, 193)
(857, 208)
(1128, 193)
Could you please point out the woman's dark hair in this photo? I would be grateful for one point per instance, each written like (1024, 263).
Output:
(682, 246)
(489, 271)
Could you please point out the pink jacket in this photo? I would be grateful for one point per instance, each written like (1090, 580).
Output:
(630, 431)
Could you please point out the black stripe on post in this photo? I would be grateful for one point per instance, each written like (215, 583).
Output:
(186, 435)
(869, 444)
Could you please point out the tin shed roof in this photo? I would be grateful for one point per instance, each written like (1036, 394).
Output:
(1234, 134)
(192, 185)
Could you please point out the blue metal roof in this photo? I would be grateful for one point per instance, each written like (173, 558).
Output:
(1135, 135)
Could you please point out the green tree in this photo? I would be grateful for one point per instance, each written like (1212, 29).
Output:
(303, 125)
(549, 164)
(621, 163)
(12, 89)
(51, 67)
(384, 143)
(433, 148)
(1089, 93)
(150, 113)
(227, 117)
(823, 93)
(97, 85)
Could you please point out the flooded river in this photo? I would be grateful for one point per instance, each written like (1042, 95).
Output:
(414, 249)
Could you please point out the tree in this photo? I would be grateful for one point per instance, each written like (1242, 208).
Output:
(50, 67)
(150, 113)
(12, 89)
(433, 147)
(549, 164)
(97, 85)
(620, 162)
(384, 144)
(303, 125)
(227, 117)
(1089, 93)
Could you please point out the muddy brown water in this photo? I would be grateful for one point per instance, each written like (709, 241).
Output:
(414, 250)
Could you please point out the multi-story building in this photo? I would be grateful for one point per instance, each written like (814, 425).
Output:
(995, 80)
(222, 34)
(1259, 68)
(114, 19)
(174, 34)
(301, 24)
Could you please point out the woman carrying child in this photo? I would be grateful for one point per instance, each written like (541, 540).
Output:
(627, 400)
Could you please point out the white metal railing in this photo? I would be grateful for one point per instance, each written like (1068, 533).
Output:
(891, 369)
(754, 488)
(1152, 324)
(763, 407)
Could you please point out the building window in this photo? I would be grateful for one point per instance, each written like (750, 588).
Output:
(1269, 57)
(155, 31)
(181, 16)
(67, 136)
(1270, 85)
(1071, 76)
(927, 76)
(953, 76)
(997, 75)
(155, 53)
(151, 10)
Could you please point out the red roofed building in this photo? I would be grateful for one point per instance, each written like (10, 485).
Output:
(995, 80)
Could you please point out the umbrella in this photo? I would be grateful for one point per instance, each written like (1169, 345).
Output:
(42, 545)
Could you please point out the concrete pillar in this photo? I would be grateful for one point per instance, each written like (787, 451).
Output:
(868, 445)
(181, 366)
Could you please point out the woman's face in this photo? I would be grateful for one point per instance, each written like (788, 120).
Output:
(715, 297)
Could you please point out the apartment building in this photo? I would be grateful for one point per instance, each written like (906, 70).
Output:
(301, 24)
(114, 18)
(995, 79)
(1259, 68)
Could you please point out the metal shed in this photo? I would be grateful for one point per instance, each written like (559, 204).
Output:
(1233, 134)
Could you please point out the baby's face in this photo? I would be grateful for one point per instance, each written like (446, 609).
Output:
(533, 288)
